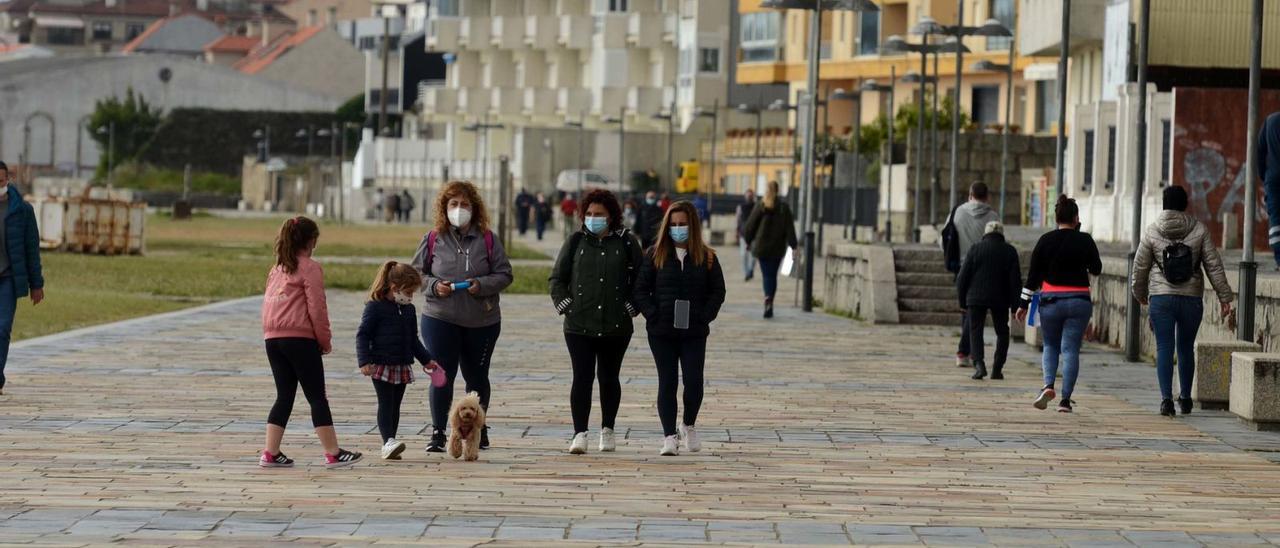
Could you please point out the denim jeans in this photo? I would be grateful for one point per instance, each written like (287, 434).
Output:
(748, 260)
(1064, 321)
(1175, 319)
(769, 271)
(8, 305)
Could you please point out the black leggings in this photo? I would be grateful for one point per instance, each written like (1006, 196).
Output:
(674, 355)
(455, 347)
(595, 357)
(389, 398)
(297, 361)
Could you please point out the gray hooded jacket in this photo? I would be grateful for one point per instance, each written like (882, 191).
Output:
(1171, 226)
(971, 220)
(463, 256)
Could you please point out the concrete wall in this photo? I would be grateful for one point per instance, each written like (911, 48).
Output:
(860, 282)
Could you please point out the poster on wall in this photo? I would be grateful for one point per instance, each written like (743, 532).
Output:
(1115, 50)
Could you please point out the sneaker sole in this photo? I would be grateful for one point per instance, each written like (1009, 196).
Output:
(273, 465)
(343, 464)
(670, 454)
(1042, 401)
(395, 453)
(608, 449)
(577, 451)
(1064, 410)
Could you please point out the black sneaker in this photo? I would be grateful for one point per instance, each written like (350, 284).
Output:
(437, 442)
(1166, 407)
(484, 438)
(275, 461)
(343, 458)
(980, 371)
(768, 309)
(1064, 406)
(1185, 404)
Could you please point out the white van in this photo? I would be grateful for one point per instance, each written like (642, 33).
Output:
(573, 180)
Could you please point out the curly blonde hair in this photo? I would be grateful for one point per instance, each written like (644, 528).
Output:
(479, 215)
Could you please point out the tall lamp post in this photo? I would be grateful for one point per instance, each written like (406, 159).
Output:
(1248, 267)
(816, 7)
(758, 112)
(714, 115)
(1133, 310)
(621, 120)
(990, 28)
(670, 118)
(896, 44)
(872, 86)
(581, 126)
(482, 129)
(926, 28)
(988, 66)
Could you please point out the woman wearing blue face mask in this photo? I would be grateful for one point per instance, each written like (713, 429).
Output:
(591, 286)
(680, 291)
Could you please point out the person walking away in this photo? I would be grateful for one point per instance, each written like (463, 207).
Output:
(680, 291)
(21, 273)
(741, 215)
(1060, 267)
(1182, 252)
(464, 269)
(770, 231)
(379, 200)
(629, 213)
(704, 211)
(391, 207)
(524, 205)
(1269, 169)
(665, 202)
(387, 343)
(650, 217)
(295, 328)
(406, 206)
(592, 286)
(541, 214)
(989, 282)
(968, 222)
(568, 208)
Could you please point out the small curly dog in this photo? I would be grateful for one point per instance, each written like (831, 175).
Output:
(466, 420)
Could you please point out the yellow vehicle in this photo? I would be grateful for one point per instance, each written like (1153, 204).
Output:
(687, 183)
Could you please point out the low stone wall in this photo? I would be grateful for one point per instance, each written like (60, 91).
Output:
(860, 282)
(1110, 299)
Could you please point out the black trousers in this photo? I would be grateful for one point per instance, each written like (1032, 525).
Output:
(297, 361)
(673, 356)
(389, 398)
(976, 321)
(458, 348)
(595, 357)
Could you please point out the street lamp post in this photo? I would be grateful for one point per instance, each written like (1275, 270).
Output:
(1248, 267)
(1133, 319)
(1008, 120)
(714, 114)
(621, 120)
(926, 28)
(871, 85)
(759, 114)
(990, 28)
(1060, 155)
(581, 126)
(482, 129)
(670, 117)
(896, 44)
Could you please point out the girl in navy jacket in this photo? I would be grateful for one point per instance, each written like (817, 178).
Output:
(387, 344)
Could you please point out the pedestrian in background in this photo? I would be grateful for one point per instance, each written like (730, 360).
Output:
(680, 291)
(391, 207)
(629, 214)
(770, 231)
(1269, 169)
(989, 282)
(541, 214)
(1060, 267)
(965, 227)
(379, 201)
(21, 272)
(568, 208)
(742, 214)
(406, 206)
(704, 210)
(592, 286)
(646, 227)
(524, 206)
(1182, 252)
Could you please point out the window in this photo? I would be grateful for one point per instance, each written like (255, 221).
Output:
(869, 33)
(393, 97)
(311, 18)
(1111, 156)
(447, 8)
(101, 30)
(986, 105)
(65, 37)
(1088, 160)
(1166, 139)
(760, 35)
(613, 6)
(1002, 11)
(1046, 104)
(709, 60)
(368, 43)
(132, 30)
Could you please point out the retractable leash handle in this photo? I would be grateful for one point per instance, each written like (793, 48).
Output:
(458, 286)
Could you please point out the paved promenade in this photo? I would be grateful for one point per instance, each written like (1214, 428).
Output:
(819, 430)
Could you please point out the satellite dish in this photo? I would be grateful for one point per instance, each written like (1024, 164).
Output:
(166, 74)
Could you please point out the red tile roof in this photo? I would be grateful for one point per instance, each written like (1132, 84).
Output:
(262, 57)
(144, 8)
(233, 44)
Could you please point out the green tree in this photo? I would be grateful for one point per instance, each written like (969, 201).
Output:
(133, 122)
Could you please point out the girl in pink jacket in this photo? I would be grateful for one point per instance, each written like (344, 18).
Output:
(295, 324)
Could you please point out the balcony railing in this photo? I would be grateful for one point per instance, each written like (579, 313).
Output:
(572, 101)
(611, 30)
(539, 102)
(506, 101)
(438, 100)
(442, 34)
(540, 31)
(741, 144)
(474, 101)
(507, 32)
(575, 31)
(474, 33)
(644, 29)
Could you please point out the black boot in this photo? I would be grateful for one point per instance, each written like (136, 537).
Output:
(1185, 405)
(768, 308)
(484, 438)
(980, 371)
(997, 373)
(1166, 408)
(437, 441)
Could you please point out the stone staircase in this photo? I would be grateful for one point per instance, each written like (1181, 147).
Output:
(926, 291)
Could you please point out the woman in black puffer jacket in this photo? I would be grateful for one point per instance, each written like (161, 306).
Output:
(680, 291)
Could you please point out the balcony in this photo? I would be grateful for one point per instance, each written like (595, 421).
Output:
(442, 34)
(507, 32)
(540, 31)
(670, 28)
(473, 101)
(575, 31)
(474, 33)
(506, 101)
(606, 102)
(611, 30)
(645, 101)
(1040, 25)
(438, 101)
(644, 30)
(539, 102)
(572, 101)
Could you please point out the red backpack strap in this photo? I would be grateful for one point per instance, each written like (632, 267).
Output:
(488, 246)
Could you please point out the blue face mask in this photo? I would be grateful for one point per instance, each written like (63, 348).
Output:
(679, 234)
(596, 224)
(651, 201)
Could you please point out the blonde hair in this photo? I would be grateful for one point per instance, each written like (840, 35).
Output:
(700, 252)
(479, 215)
(770, 195)
(401, 275)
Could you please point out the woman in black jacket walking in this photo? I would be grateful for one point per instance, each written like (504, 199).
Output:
(680, 291)
(591, 286)
(770, 231)
(989, 281)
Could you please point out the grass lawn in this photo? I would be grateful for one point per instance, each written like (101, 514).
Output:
(210, 259)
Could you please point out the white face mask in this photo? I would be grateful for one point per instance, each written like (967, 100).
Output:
(402, 298)
(459, 217)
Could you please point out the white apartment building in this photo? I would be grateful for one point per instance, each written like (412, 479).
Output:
(531, 66)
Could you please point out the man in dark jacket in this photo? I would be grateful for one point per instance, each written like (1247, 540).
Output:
(744, 212)
(1269, 170)
(990, 280)
(648, 219)
(524, 205)
(20, 271)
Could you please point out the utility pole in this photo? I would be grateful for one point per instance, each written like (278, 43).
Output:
(1249, 267)
(1060, 165)
(1133, 312)
(386, 50)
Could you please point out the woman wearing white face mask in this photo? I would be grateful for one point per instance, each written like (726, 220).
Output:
(591, 286)
(464, 269)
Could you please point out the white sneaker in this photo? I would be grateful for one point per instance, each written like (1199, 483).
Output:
(392, 449)
(670, 446)
(579, 445)
(689, 435)
(608, 443)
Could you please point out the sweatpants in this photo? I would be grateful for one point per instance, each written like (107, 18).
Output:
(297, 361)
(592, 358)
(673, 356)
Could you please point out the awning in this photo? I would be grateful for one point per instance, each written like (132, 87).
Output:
(53, 22)
(1040, 71)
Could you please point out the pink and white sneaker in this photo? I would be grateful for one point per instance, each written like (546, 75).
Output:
(277, 460)
(343, 458)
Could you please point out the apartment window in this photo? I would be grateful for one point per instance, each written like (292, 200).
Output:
(65, 37)
(393, 97)
(869, 33)
(101, 30)
(613, 6)
(760, 35)
(132, 30)
(1088, 160)
(709, 60)
(331, 16)
(312, 16)
(1166, 139)
(1002, 11)
(1046, 104)
(986, 105)
(1111, 156)
(447, 8)
(368, 43)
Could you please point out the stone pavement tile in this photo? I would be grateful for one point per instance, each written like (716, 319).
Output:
(955, 540)
(601, 534)
(467, 521)
(1229, 539)
(458, 531)
(97, 527)
(187, 521)
(516, 532)
(238, 527)
(815, 539)
(1143, 538)
(376, 527)
(683, 533)
(321, 527)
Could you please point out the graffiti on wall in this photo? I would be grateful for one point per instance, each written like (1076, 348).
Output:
(1209, 154)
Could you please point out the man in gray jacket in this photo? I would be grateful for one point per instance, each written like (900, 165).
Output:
(970, 220)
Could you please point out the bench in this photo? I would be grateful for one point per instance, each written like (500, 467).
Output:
(1211, 387)
(1255, 389)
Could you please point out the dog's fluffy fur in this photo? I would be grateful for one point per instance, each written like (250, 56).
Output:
(466, 419)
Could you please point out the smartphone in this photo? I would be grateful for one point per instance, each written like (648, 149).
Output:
(682, 314)
(459, 286)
